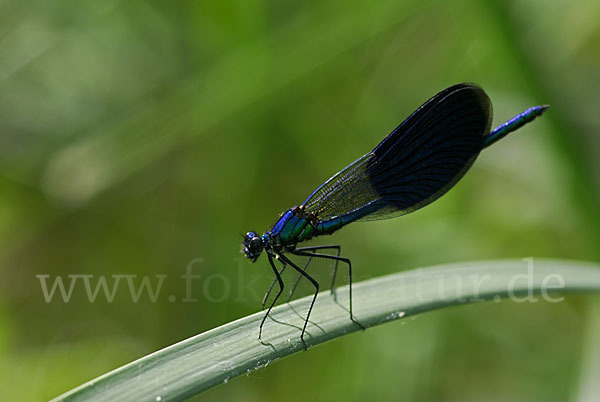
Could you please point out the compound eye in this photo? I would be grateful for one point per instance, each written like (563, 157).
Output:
(255, 243)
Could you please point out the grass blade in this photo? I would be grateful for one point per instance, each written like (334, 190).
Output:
(191, 366)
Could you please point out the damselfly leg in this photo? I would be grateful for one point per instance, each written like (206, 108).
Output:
(342, 259)
(313, 249)
(266, 297)
(312, 303)
(278, 278)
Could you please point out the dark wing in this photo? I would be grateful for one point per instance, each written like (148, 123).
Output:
(413, 166)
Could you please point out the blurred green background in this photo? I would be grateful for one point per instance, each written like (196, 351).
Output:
(137, 136)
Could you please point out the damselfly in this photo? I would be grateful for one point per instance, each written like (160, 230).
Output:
(413, 166)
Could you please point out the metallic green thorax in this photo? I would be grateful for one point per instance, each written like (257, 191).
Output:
(293, 227)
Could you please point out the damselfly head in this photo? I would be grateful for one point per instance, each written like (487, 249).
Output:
(252, 246)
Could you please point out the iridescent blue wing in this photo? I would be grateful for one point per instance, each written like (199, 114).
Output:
(413, 166)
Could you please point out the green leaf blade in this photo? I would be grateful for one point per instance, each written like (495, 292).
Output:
(214, 357)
